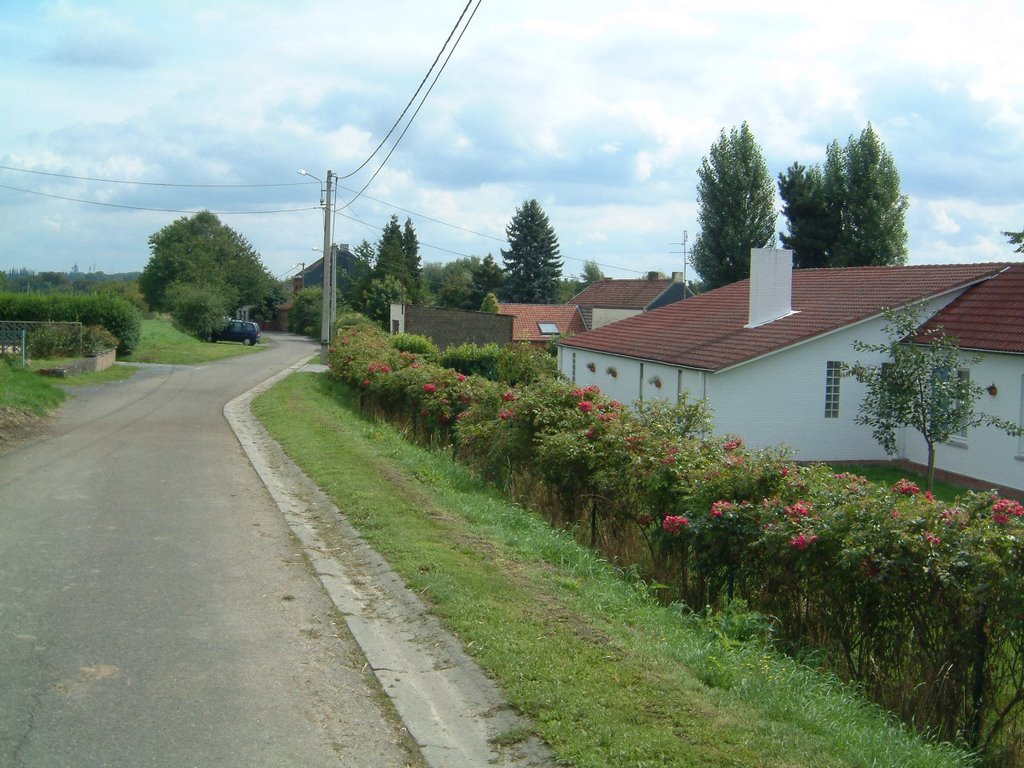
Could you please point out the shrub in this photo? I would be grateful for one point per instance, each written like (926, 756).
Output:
(919, 602)
(307, 312)
(117, 315)
(54, 340)
(197, 309)
(520, 364)
(415, 344)
(473, 360)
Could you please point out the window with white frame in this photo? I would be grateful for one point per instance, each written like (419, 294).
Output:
(833, 375)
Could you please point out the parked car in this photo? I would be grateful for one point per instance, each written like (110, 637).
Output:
(244, 331)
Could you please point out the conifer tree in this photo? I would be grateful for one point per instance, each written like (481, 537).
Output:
(531, 262)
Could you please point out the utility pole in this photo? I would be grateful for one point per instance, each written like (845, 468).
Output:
(329, 302)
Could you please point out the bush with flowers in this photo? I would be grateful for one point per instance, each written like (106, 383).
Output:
(919, 602)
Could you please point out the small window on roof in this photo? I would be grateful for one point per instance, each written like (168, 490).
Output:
(548, 329)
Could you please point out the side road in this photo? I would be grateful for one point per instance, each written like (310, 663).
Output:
(155, 609)
(455, 713)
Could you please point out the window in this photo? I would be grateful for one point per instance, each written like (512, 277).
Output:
(548, 329)
(833, 373)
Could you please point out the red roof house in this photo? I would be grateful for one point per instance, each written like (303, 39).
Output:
(540, 323)
(767, 355)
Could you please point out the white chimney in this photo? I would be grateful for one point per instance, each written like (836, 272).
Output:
(771, 285)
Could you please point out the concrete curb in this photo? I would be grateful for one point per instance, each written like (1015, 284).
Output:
(451, 708)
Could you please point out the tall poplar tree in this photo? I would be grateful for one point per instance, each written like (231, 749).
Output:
(851, 213)
(736, 196)
(532, 267)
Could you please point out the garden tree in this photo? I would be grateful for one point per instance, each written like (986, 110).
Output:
(307, 312)
(197, 309)
(924, 385)
(850, 213)
(1016, 238)
(488, 277)
(531, 262)
(736, 199)
(451, 284)
(381, 293)
(570, 286)
(490, 304)
(199, 250)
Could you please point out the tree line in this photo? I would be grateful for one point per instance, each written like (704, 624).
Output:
(847, 212)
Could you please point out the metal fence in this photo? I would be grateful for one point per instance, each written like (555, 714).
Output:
(14, 335)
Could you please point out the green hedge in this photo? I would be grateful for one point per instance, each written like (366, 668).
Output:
(117, 315)
(921, 603)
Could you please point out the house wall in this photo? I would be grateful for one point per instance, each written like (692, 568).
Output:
(601, 317)
(986, 453)
(780, 400)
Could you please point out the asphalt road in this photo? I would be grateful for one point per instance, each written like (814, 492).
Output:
(155, 610)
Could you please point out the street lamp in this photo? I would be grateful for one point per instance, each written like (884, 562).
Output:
(329, 313)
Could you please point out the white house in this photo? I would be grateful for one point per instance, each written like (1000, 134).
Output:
(766, 354)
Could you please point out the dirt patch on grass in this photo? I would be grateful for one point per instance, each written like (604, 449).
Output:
(17, 425)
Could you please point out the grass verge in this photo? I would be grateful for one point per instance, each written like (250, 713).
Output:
(609, 676)
(161, 342)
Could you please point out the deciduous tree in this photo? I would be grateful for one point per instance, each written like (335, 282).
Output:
(850, 213)
(737, 208)
(200, 250)
(920, 387)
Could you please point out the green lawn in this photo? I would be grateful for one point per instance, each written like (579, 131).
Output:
(161, 342)
(888, 475)
(608, 675)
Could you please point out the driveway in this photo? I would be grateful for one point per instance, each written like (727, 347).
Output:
(155, 609)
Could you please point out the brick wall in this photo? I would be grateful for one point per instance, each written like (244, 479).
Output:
(448, 327)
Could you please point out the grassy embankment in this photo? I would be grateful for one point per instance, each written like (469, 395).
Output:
(609, 676)
(26, 397)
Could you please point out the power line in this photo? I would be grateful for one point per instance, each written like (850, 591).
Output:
(153, 210)
(422, 102)
(152, 183)
(413, 97)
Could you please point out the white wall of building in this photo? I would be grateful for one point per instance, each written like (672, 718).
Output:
(780, 400)
(601, 316)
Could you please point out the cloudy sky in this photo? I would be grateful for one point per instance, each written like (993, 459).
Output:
(120, 117)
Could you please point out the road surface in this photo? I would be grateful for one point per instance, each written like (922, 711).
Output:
(155, 609)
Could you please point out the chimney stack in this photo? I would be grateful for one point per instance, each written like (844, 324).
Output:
(771, 285)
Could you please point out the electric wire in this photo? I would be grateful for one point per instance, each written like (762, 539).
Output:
(418, 108)
(153, 210)
(152, 183)
(413, 97)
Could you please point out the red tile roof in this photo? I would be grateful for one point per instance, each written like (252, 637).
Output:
(989, 317)
(525, 326)
(620, 294)
(706, 331)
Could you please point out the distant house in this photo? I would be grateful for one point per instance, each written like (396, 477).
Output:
(608, 300)
(538, 324)
(313, 275)
(767, 355)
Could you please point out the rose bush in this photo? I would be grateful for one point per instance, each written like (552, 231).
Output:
(921, 603)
